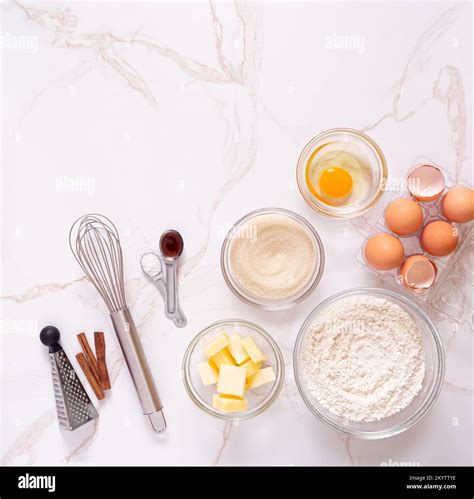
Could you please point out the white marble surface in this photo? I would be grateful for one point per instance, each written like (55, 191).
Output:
(189, 115)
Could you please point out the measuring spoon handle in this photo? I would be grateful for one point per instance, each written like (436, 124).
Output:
(178, 317)
(171, 290)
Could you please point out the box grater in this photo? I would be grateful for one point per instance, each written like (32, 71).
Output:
(73, 405)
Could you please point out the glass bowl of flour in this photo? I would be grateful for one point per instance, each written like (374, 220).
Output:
(369, 362)
(272, 259)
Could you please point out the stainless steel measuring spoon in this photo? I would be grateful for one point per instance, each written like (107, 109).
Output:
(171, 247)
(152, 268)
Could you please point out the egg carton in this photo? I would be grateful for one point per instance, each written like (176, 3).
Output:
(451, 294)
(452, 298)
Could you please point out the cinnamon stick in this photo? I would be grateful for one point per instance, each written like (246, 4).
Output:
(90, 376)
(99, 341)
(91, 360)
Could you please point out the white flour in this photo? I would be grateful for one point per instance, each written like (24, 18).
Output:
(363, 358)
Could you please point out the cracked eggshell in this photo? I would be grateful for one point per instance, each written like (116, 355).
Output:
(418, 273)
(426, 182)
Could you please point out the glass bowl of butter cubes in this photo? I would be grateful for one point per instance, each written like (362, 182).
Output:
(233, 370)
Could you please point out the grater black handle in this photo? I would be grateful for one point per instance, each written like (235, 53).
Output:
(49, 336)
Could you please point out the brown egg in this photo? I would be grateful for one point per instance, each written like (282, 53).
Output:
(439, 238)
(383, 251)
(418, 273)
(403, 216)
(458, 204)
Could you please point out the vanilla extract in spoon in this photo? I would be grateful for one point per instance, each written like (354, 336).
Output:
(171, 247)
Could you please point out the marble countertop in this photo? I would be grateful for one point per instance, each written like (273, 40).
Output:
(189, 115)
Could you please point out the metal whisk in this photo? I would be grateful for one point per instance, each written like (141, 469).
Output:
(95, 243)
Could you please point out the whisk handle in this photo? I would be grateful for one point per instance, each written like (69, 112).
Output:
(138, 366)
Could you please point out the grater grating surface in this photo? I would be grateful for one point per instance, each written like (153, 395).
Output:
(73, 405)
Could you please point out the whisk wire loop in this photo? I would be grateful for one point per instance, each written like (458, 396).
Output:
(95, 243)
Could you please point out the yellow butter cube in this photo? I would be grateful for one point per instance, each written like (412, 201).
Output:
(208, 373)
(261, 377)
(231, 380)
(216, 345)
(251, 367)
(228, 403)
(223, 357)
(237, 350)
(252, 349)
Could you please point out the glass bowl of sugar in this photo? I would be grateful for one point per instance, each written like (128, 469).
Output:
(272, 259)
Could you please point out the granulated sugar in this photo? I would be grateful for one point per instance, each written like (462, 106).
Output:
(363, 358)
(272, 256)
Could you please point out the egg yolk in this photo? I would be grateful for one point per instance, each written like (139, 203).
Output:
(335, 182)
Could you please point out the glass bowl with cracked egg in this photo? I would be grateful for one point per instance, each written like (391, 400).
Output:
(429, 382)
(272, 258)
(341, 173)
(204, 392)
